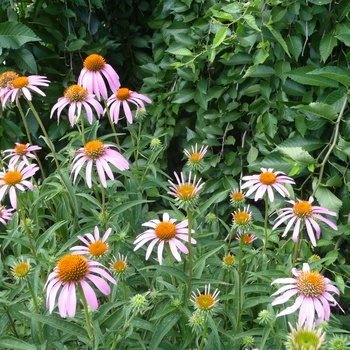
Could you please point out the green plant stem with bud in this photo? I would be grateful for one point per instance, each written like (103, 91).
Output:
(48, 140)
(123, 330)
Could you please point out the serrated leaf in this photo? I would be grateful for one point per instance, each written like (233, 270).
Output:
(25, 60)
(279, 38)
(182, 52)
(76, 45)
(298, 155)
(184, 96)
(343, 9)
(219, 37)
(341, 75)
(319, 109)
(8, 342)
(250, 19)
(295, 46)
(301, 76)
(327, 199)
(344, 38)
(328, 42)
(13, 35)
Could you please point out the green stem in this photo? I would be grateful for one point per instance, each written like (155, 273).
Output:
(86, 311)
(112, 125)
(13, 326)
(49, 142)
(171, 263)
(82, 130)
(266, 222)
(190, 257)
(103, 206)
(29, 137)
(205, 330)
(332, 145)
(36, 310)
(240, 279)
(297, 247)
(24, 223)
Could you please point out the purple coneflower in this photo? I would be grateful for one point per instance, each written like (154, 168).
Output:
(5, 214)
(304, 212)
(313, 295)
(15, 178)
(23, 86)
(101, 154)
(71, 272)
(122, 98)
(164, 232)
(21, 152)
(95, 246)
(91, 76)
(77, 97)
(267, 181)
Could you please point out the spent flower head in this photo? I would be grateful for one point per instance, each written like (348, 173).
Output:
(312, 291)
(237, 198)
(95, 246)
(164, 232)
(228, 261)
(266, 182)
(98, 153)
(92, 77)
(71, 272)
(122, 98)
(242, 219)
(248, 238)
(264, 317)
(305, 338)
(339, 342)
(195, 158)
(185, 192)
(21, 269)
(205, 302)
(119, 265)
(304, 213)
(7, 78)
(155, 144)
(77, 98)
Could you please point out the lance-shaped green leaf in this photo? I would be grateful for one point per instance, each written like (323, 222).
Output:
(8, 342)
(279, 38)
(219, 36)
(327, 44)
(182, 52)
(319, 109)
(341, 75)
(13, 35)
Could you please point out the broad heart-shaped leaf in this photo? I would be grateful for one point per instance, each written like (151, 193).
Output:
(13, 35)
(327, 44)
(341, 75)
(319, 109)
(298, 155)
(301, 76)
(8, 342)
